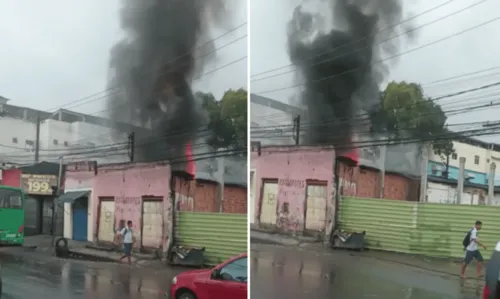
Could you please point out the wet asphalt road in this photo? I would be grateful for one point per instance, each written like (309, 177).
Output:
(279, 272)
(65, 279)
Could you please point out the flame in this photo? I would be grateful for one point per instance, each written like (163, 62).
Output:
(191, 164)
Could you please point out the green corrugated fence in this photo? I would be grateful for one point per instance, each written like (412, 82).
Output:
(418, 228)
(223, 235)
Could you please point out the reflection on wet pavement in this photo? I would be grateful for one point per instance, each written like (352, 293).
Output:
(66, 279)
(278, 272)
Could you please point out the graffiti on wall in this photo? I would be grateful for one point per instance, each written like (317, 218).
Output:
(128, 208)
(184, 202)
(347, 187)
(348, 183)
(291, 196)
(127, 204)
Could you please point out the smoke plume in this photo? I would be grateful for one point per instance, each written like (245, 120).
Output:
(151, 70)
(339, 66)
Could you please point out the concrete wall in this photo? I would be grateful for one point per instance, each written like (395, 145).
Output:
(292, 163)
(128, 184)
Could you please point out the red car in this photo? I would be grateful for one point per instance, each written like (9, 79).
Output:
(227, 280)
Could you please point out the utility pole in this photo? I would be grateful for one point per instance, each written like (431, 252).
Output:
(447, 166)
(491, 183)
(57, 194)
(296, 122)
(381, 178)
(220, 185)
(37, 141)
(461, 178)
(131, 145)
(423, 172)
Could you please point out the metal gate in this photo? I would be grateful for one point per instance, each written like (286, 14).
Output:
(32, 217)
(106, 231)
(152, 223)
(269, 203)
(316, 199)
(222, 235)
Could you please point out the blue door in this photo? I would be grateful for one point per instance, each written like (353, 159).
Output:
(80, 219)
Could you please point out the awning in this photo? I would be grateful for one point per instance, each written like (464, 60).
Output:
(70, 197)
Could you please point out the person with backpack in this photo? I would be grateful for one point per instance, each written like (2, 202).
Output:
(470, 243)
(128, 240)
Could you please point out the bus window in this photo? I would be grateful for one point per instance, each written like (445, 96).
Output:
(10, 199)
(16, 202)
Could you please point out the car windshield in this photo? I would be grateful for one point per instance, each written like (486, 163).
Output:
(236, 270)
(10, 199)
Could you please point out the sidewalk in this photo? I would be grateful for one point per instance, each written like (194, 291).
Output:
(438, 265)
(260, 236)
(41, 247)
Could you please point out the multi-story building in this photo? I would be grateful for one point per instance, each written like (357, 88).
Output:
(64, 133)
(443, 172)
(271, 121)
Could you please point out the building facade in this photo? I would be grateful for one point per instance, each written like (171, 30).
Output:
(271, 121)
(443, 173)
(292, 187)
(37, 181)
(99, 199)
(62, 133)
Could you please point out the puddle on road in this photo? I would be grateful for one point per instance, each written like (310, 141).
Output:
(66, 279)
(293, 276)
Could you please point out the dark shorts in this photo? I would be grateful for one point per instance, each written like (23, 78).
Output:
(470, 255)
(127, 249)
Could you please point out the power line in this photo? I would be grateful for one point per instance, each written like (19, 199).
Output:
(359, 40)
(405, 140)
(174, 60)
(388, 58)
(365, 116)
(413, 29)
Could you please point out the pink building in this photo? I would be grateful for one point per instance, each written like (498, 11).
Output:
(292, 187)
(100, 201)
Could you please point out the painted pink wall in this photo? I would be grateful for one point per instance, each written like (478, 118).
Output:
(128, 184)
(11, 177)
(292, 163)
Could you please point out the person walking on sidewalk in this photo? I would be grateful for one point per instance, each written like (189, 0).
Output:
(472, 251)
(128, 240)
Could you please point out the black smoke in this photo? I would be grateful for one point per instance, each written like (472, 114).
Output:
(339, 66)
(166, 43)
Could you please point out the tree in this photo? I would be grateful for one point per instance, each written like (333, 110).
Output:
(227, 118)
(234, 108)
(406, 113)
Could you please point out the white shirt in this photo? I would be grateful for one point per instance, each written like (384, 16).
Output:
(127, 234)
(473, 236)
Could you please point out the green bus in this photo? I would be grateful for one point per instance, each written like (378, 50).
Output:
(11, 216)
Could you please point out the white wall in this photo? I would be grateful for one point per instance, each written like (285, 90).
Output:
(265, 118)
(469, 152)
(21, 130)
(75, 141)
(441, 193)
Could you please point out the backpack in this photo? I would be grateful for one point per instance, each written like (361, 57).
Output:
(466, 240)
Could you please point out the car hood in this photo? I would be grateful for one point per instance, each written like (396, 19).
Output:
(194, 274)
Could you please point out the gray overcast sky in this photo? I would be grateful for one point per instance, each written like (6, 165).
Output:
(55, 52)
(472, 51)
